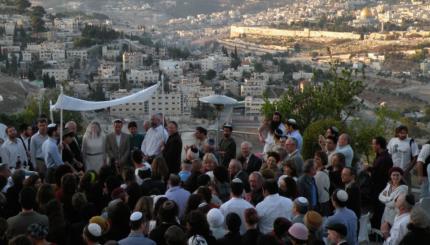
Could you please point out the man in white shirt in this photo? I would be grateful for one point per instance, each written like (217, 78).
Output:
(404, 204)
(36, 143)
(404, 152)
(272, 207)
(423, 169)
(155, 138)
(236, 204)
(344, 147)
(12, 150)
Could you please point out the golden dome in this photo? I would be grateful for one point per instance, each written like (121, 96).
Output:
(365, 13)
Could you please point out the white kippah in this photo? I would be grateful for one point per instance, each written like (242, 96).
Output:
(52, 125)
(95, 230)
(135, 216)
(302, 200)
(342, 195)
(237, 180)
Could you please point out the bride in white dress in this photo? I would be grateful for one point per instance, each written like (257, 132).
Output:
(93, 147)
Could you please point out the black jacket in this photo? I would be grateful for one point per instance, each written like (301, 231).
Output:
(416, 236)
(172, 153)
(354, 199)
(254, 163)
(304, 186)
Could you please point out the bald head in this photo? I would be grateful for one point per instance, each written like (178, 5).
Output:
(234, 167)
(344, 140)
(72, 126)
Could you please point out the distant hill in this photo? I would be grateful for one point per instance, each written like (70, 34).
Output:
(193, 7)
(14, 94)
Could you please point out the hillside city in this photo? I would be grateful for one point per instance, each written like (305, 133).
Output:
(215, 122)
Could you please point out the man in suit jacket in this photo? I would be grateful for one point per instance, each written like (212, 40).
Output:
(353, 190)
(291, 145)
(307, 186)
(337, 233)
(236, 172)
(250, 162)
(118, 146)
(173, 148)
(75, 146)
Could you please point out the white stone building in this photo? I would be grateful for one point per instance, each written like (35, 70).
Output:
(60, 74)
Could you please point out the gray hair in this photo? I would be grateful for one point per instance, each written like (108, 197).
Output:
(420, 218)
(246, 143)
(69, 123)
(236, 163)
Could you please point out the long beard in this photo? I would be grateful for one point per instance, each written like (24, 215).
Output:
(274, 125)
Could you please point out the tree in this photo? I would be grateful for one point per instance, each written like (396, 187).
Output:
(258, 67)
(22, 5)
(37, 24)
(335, 98)
(38, 11)
(31, 76)
(210, 74)
(224, 51)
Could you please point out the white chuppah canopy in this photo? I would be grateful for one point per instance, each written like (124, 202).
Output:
(68, 103)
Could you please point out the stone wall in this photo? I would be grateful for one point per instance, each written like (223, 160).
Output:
(238, 31)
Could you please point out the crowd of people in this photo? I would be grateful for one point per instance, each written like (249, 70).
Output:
(132, 188)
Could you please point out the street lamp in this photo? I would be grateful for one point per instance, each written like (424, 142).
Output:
(218, 102)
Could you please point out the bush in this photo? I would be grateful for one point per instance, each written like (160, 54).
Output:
(312, 132)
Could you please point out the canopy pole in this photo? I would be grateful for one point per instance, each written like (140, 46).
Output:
(61, 120)
(51, 113)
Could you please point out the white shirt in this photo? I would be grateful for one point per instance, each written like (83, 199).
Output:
(424, 153)
(271, 208)
(401, 151)
(322, 181)
(36, 146)
(118, 139)
(238, 206)
(154, 139)
(11, 150)
(399, 229)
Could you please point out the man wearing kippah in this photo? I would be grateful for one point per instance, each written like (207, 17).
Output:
(136, 236)
(343, 215)
(51, 153)
(227, 146)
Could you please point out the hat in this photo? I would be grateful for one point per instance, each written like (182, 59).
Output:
(291, 121)
(237, 180)
(52, 125)
(215, 218)
(395, 169)
(227, 125)
(102, 222)
(339, 228)
(299, 231)
(118, 192)
(302, 204)
(341, 195)
(94, 229)
(68, 132)
(313, 220)
(38, 231)
(136, 216)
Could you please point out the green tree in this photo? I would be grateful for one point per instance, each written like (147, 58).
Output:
(31, 75)
(22, 5)
(210, 74)
(97, 93)
(335, 96)
(258, 67)
(37, 24)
